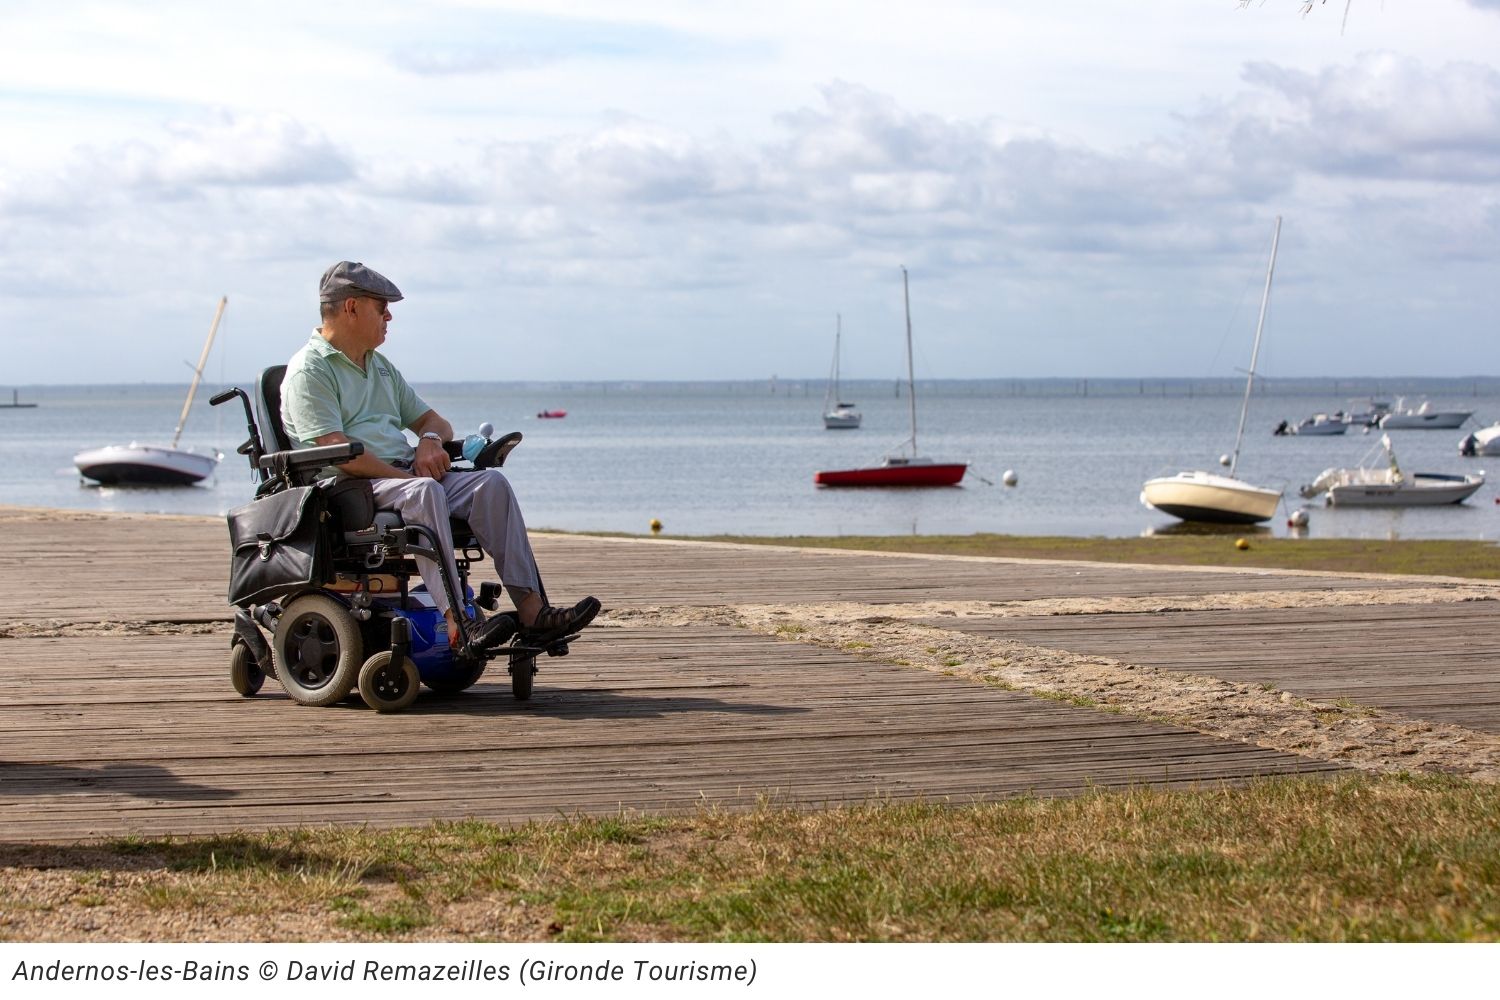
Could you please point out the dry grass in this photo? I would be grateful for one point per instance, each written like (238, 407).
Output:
(1351, 859)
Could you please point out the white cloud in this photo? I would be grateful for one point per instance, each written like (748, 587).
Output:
(589, 187)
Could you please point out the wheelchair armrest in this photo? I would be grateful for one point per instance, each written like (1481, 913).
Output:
(305, 460)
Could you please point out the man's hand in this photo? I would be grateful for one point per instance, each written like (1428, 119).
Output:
(432, 460)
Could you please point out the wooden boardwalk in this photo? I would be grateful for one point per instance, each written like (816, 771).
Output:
(116, 714)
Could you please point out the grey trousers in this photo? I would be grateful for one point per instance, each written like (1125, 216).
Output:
(483, 498)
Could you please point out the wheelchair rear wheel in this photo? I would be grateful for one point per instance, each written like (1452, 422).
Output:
(387, 685)
(317, 650)
(244, 673)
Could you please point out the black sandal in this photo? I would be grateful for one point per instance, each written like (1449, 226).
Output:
(554, 623)
(496, 631)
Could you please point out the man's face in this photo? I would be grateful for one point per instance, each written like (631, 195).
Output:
(370, 318)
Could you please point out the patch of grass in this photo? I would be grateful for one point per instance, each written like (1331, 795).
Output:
(791, 629)
(1351, 858)
(856, 645)
(1426, 557)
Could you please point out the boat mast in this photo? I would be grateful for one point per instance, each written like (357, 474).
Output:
(911, 380)
(838, 332)
(1260, 324)
(198, 372)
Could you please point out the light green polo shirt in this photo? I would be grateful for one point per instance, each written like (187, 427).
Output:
(324, 392)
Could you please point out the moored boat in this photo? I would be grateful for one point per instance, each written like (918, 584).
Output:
(1208, 496)
(901, 469)
(897, 470)
(136, 464)
(838, 415)
(156, 465)
(1212, 498)
(1485, 441)
(1387, 486)
(1423, 417)
(1321, 424)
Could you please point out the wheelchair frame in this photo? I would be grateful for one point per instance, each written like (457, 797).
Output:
(367, 627)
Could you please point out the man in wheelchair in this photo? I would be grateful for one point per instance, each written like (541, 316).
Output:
(339, 388)
(336, 414)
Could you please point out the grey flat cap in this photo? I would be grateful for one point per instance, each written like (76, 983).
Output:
(347, 280)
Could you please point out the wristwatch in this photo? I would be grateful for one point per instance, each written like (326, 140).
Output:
(434, 435)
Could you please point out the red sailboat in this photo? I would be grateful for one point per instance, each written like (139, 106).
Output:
(900, 469)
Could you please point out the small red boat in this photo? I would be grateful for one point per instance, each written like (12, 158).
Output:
(552, 414)
(897, 472)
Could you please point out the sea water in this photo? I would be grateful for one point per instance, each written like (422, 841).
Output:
(739, 457)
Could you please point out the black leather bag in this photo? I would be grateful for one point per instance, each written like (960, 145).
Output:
(278, 546)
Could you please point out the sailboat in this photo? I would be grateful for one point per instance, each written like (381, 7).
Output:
(837, 415)
(1207, 496)
(901, 469)
(156, 465)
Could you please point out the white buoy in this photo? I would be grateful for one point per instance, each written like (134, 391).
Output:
(1010, 478)
(1224, 461)
(1298, 519)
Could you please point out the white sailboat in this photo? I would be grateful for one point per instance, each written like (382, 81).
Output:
(838, 415)
(1207, 496)
(137, 464)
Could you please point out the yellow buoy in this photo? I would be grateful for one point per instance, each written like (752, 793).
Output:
(655, 526)
(1241, 544)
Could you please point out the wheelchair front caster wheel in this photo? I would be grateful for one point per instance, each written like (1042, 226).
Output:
(388, 685)
(522, 673)
(244, 673)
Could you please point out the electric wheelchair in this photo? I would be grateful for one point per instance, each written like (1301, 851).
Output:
(322, 582)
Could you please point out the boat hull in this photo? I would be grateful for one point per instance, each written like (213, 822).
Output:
(926, 474)
(1483, 442)
(841, 421)
(1421, 490)
(143, 465)
(1441, 421)
(1201, 496)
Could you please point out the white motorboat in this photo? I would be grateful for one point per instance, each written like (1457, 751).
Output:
(137, 464)
(1321, 424)
(1207, 496)
(1424, 417)
(838, 415)
(1485, 441)
(1387, 486)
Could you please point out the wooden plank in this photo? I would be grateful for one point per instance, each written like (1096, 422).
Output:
(1439, 662)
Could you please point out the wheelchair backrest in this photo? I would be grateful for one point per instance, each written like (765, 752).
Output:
(268, 404)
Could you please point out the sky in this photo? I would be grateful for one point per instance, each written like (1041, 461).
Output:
(583, 191)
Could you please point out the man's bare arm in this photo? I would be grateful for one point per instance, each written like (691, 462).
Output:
(366, 466)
